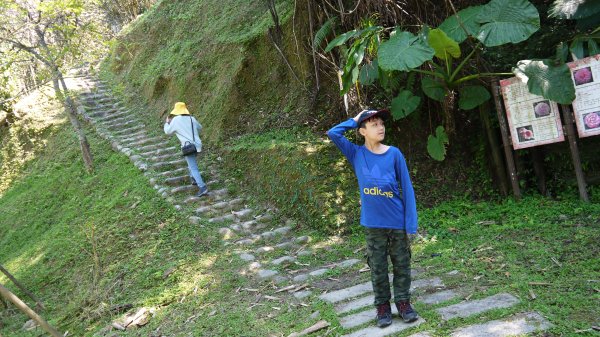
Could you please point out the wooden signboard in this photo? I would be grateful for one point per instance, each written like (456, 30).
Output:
(532, 120)
(586, 106)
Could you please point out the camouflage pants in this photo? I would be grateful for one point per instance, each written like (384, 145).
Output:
(381, 243)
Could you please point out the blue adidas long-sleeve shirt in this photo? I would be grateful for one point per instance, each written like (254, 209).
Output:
(380, 177)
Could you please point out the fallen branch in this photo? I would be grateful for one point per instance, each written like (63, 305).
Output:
(316, 327)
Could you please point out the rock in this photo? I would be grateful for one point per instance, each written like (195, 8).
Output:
(29, 325)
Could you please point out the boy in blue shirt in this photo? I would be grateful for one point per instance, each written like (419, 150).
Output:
(388, 209)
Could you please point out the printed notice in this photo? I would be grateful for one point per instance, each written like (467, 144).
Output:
(533, 120)
(586, 106)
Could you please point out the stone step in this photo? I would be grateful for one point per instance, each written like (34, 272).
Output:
(126, 131)
(268, 235)
(170, 149)
(221, 206)
(367, 301)
(131, 138)
(286, 245)
(517, 325)
(119, 126)
(143, 141)
(470, 308)
(184, 189)
(233, 216)
(99, 114)
(324, 270)
(134, 133)
(169, 164)
(212, 196)
(360, 289)
(397, 326)
(168, 156)
(117, 121)
(368, 316)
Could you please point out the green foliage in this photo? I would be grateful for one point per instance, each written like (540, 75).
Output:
(433, 88)
(404, 51)
(322, 33)
(546, 79)
(507, 21)
(445, 48)
(404, 104)
(369, 73)
(436, 145)
(472, 96)
(467, 18)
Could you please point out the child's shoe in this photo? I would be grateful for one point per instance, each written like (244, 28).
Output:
(384, 315)
(406, 311)
(203, 191)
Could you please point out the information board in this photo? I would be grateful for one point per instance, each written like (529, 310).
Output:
(585, 74)
(533, 120)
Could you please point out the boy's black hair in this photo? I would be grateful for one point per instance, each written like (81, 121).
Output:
(363, 123)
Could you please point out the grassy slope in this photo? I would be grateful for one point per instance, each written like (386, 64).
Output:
(216, 56)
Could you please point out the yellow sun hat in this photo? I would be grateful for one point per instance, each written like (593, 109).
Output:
(180, 109)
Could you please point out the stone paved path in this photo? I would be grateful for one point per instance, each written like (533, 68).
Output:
(269, 248)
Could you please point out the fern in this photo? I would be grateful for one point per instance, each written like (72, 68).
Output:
(323, 32)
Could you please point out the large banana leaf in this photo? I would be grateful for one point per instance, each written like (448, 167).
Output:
(547, 80)
(468, 17)
(404, 104)
(507, 21)
(436, 145)
(472, 96)
(444, 46)
(404, 51)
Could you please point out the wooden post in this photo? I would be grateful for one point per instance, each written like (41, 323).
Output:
(537, 157)
(23, 289)
(510, 161)
(24, 308)
(567, 115)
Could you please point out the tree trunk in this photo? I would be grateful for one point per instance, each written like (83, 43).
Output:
(24, 308)
(448, 107)
(23, 289)
(498, 163)
(64, 97)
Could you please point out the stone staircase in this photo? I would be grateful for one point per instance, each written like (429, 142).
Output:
(274, 251)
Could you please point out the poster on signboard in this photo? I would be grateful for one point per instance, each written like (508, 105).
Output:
(533, 120)
(586, 106)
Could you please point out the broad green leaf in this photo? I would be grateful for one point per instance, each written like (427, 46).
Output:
(576, 48)
(443, 45)
(472, 96)
(369, 73)
(341, 39)
(403, 51)
(433, 88)
(545, 79)
(404, 104)
(574, 9)
(562, 52)
(468, 17)
(593, 48)
(507, 21)
(436, 145)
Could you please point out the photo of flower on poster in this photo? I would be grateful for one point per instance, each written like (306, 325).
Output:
(525, 133)
(592, 120)
(583, 76)
(541, 109)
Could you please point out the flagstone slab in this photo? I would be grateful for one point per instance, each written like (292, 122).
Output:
(373, 331)
(470, 308)
(519, 324)
(439, 297)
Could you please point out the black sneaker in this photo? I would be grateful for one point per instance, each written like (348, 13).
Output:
(384, 315)
(406, 311)
(203, 191)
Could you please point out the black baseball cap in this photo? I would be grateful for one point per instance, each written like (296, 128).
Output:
(366, 114)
